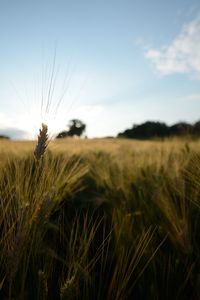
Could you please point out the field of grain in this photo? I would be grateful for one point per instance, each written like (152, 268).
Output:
(100, 219)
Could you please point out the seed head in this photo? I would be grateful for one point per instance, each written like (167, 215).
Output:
(42, 142)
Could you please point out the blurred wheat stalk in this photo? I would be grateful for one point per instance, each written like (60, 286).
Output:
(42, 142)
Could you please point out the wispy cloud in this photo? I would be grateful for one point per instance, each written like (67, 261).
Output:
(182, 55)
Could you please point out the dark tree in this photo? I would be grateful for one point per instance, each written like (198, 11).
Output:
(76, 128)
(180, 129)
(146, 130)
(5, 137)
(149, 130)
(196, 128)
(62, 134)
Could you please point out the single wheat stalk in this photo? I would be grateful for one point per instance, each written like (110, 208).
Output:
(42, 288)
(42, 142)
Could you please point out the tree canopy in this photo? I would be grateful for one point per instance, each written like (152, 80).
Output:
(76, 128)
(152, 129)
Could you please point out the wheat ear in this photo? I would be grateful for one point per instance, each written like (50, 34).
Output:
(42, 142)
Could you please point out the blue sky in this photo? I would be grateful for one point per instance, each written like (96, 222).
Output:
(116, 63)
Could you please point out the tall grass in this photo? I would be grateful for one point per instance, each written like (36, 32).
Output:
(100, 220)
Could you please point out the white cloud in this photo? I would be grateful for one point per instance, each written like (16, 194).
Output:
(8, 127)
(193, 97)
(182, 55)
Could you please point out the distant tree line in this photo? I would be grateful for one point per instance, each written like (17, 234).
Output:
(5, 137)
(147, 130)
(152, 129)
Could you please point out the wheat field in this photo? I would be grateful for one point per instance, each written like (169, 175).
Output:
(99, 219)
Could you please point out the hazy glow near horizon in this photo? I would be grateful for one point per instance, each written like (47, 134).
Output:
(116, 63)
